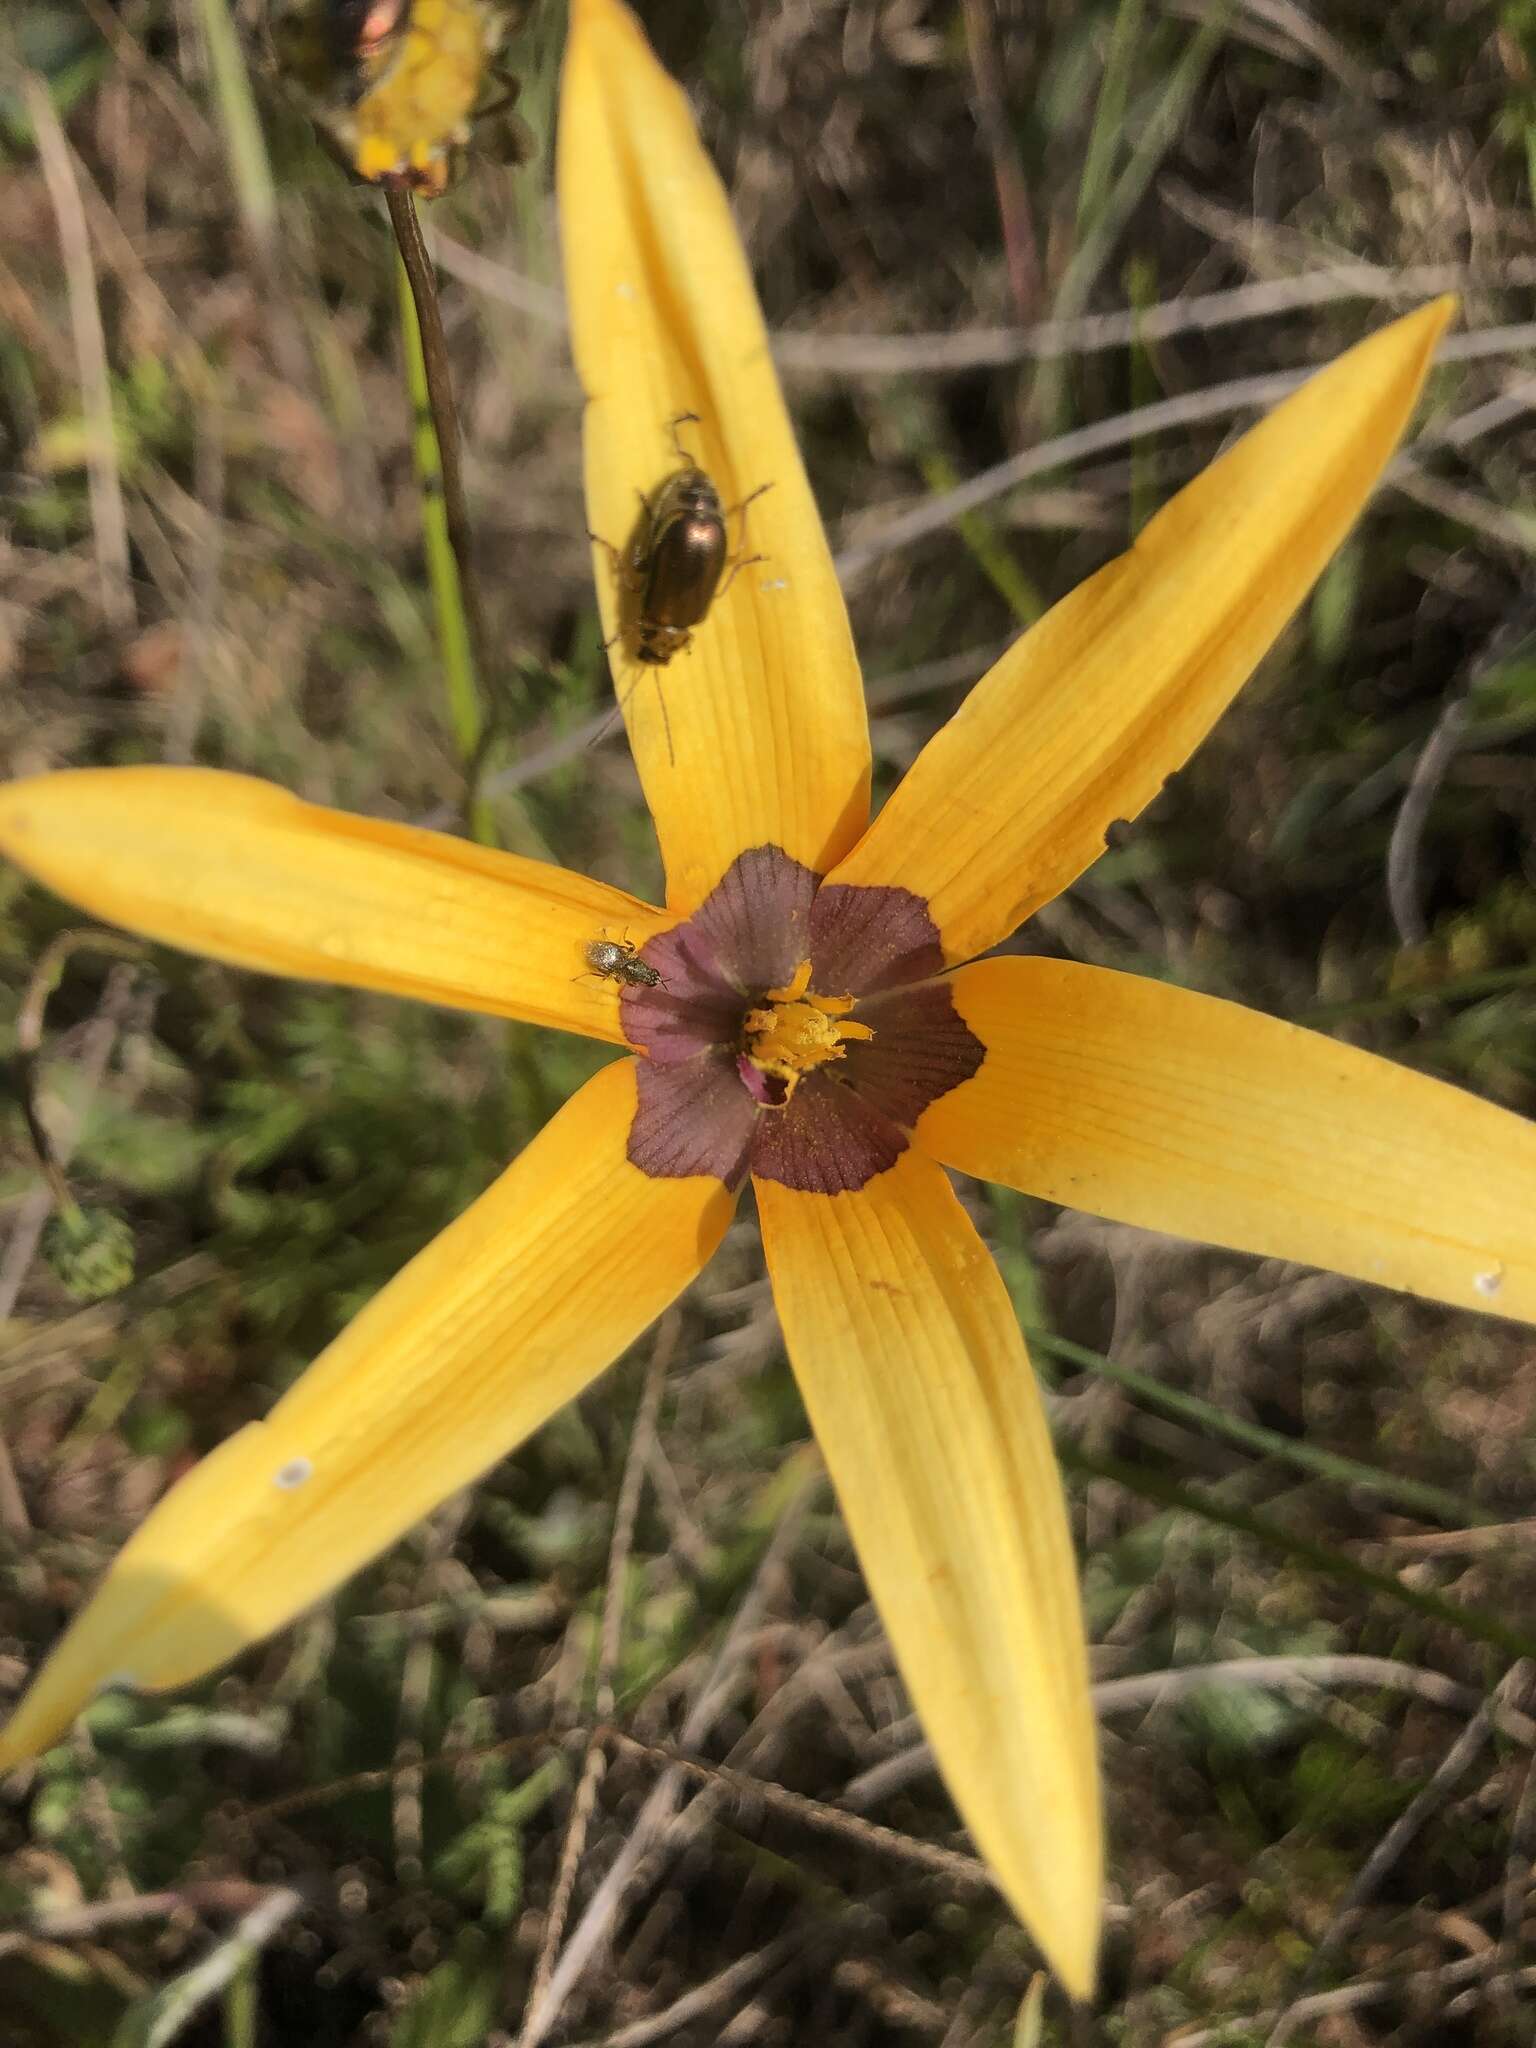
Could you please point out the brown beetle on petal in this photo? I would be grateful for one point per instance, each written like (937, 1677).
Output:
(670, 574)
(679, 567)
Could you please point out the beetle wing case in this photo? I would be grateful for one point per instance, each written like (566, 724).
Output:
(685, 552)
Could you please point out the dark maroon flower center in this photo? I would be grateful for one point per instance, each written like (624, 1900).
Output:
(797, 1031)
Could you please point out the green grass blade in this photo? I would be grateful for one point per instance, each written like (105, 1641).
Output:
(1413, 1495)
(1108, 131)
(1322, 1558)
(1490, 981)
(455, 644)
(249, 164)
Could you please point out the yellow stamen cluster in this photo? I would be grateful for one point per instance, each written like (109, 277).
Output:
(797, 1030)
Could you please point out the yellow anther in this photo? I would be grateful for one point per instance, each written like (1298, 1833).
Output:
(796, 1031)
(794, 988)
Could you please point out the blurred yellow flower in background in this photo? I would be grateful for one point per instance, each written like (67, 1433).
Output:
(394, 82)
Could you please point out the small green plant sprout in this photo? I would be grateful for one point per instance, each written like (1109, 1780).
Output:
(89, 1251)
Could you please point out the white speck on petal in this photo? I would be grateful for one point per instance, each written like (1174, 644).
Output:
(778, 583)
(1489, 1283)
(294, 1473)
(624, 291)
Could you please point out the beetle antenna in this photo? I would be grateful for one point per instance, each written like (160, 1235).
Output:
(623, 705)
(666, 722)
(606, 727)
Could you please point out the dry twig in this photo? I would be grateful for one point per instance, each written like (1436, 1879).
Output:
(109, 521)
(1453, 1767)
(593, 1929)
(595, 1762)
(1286, 1674)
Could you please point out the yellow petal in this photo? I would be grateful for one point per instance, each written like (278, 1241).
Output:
(1182, 1113)
(766, 711)
(242, 871)
(1087, 714)
(909, 1356)
(502, 1319)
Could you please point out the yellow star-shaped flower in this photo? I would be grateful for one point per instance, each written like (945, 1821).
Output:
(815, 1016)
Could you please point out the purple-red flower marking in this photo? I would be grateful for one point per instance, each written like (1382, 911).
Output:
(770, 946)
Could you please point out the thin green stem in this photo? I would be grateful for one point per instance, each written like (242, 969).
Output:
(1490, 981)
(1141, 291)
(241, 124)
(1107, 199)
(1108, 131)
(1319, 1557)
(444, 514)
(995, 559)
(240, 2008)
(1413, 1495)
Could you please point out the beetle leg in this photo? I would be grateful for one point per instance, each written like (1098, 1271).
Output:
(510, 87)
(642, 533)
(683, 419)
(741, 562)
(622, 575)
(731, 510)
(741, 539)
